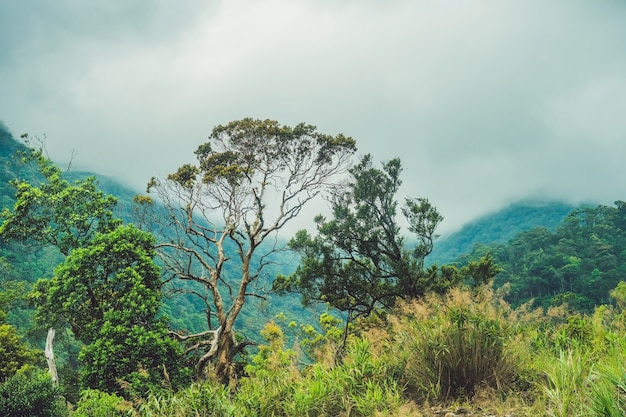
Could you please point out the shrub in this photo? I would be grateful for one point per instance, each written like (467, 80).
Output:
(448, 347)
(94, 403)
(31, 394)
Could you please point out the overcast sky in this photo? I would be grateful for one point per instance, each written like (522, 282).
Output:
(485, 102)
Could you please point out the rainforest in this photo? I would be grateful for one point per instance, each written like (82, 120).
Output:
(187, 300)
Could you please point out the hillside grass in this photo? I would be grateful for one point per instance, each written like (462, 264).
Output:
(467, 353)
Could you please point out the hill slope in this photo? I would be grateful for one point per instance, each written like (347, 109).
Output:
(28, 263)
(499, 227)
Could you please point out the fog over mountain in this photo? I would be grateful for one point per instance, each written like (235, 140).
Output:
(486, 102)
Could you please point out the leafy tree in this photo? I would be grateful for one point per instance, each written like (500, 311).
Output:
(51, 210)
(251, 179)
(115, 272)
(359, 261)
(107, 288)
(481, 272)
(15, 354)
(110, 293)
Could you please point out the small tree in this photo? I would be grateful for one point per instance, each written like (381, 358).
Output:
(252, 178)
(359, 261)
(110, 293)
(31, 394)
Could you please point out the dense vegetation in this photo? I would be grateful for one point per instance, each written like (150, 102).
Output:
(577, 263)
(532, 326)
(499, 227)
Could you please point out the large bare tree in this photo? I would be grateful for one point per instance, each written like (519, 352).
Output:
(252, 177)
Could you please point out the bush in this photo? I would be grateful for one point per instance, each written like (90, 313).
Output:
(449, 347)
(31, 394)
(94, 403)
(14, 353)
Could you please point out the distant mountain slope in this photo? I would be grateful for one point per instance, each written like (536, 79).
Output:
(499, 227)
(29, 263)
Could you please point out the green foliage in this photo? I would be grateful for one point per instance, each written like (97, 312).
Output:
(608, 391)
(108, 286)
(94, 403)
(55, 211)
(112, 274)
(200, 399)
(453, 345)
(619, 294)
(358, 261)
(482, 272)
(31, 394)
(499, 228)
(132, 360)
(358, 386)
(109, 292)
(565, 380)
(15, 354)
(578, 264)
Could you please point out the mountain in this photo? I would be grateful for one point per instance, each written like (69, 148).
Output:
(29, 263)
(32, 263)
(499, 227)
(580, 262)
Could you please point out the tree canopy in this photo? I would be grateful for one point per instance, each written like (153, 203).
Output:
(252, 177)
(580, 262)
(107, 288)
(359, 260)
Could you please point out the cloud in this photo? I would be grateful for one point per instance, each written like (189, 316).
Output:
(484, 101)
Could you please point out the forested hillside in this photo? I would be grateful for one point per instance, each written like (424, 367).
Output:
(143, 289)
(579, 262)
(499, 227)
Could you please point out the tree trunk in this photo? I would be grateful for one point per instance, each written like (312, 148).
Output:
(49, 354)
(223, 368)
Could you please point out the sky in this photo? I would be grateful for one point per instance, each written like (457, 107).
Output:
(486, 102)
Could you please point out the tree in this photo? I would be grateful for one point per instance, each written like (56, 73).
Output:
(115, 272)
(252, 178)
(50, 210)
(107, 288)
(110, 293)
(359, 261)
(31, 394)
(481, 272)
(14, 352)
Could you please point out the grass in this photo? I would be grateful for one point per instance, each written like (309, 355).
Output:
(466, 351)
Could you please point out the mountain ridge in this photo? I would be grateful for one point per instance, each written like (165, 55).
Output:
(499, 227)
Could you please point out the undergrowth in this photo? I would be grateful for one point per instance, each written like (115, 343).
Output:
(465, 349)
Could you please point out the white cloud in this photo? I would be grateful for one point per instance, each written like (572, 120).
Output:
(484, 101)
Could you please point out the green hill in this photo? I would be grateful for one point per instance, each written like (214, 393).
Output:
(29, 263)
(499, 227)
(580, 261)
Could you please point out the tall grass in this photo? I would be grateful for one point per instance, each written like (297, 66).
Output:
(608, 392)
(198, 400)
(454, 345)
(467, 346)
(566, 383)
